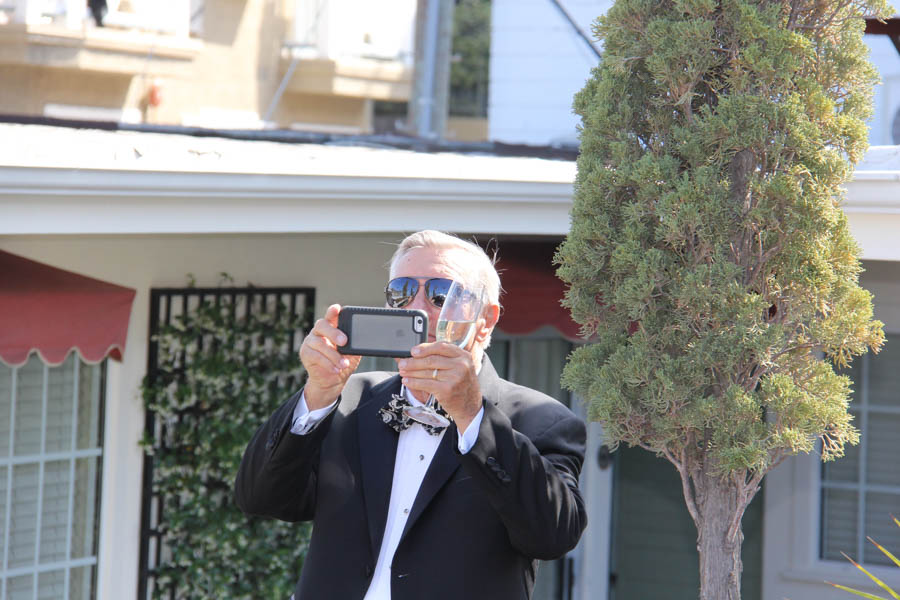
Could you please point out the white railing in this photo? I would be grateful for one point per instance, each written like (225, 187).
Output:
(171, 17)
(358, 28)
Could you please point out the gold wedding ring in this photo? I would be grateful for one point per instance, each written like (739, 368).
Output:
(434, 374)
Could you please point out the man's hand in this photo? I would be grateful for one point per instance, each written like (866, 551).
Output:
(448, 372)
(327, 369)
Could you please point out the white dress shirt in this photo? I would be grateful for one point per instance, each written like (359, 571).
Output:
(415, 449)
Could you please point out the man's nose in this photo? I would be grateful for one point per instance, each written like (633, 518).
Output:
(420, 301)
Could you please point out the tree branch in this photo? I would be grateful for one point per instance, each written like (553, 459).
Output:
(747, 489)
(739, 169)
(809, 346)
(687, 489)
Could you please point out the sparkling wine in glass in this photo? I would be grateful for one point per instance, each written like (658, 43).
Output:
(459, 333)
(456, 325)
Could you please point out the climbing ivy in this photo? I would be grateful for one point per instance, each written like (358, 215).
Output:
(222, 370)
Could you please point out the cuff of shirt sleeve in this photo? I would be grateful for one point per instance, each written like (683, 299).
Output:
(468, 438)
(305, 420)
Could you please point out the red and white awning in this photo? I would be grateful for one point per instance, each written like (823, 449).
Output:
(533, 291)
(51, 311)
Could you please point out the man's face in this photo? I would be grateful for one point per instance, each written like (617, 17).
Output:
(425, 263)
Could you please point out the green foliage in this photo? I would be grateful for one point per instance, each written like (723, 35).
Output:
(707, 221)
(874, 579)
(222, 370)
(469, 71)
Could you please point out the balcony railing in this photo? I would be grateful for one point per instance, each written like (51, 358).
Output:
(170, 17)
(323, 29)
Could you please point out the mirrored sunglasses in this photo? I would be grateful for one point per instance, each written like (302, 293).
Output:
(400, 291)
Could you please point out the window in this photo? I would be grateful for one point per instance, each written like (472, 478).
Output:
(50, 461)
(861, 491)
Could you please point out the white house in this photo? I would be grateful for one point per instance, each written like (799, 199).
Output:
(141, 211)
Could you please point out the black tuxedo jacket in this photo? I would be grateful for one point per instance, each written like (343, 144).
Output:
(479, 522)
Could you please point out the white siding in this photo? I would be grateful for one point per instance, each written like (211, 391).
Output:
(887, 94)
(538, 62)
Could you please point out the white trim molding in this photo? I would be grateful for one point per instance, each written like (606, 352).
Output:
(79, 181)
(37, 200)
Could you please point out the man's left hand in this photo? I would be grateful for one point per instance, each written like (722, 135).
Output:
(448, 372)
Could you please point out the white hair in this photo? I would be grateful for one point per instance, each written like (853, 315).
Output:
(480, 267)
(484, 271)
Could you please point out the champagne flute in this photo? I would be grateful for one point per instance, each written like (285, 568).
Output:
(456, 325)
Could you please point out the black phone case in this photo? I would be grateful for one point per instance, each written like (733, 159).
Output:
(345, 319)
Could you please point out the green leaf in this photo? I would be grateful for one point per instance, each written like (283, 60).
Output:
(885, 551)
(875, 579)
(857, 592)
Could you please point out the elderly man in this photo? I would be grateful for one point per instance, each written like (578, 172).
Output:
(401, 511)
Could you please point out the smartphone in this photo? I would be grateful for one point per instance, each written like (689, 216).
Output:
(382, 331)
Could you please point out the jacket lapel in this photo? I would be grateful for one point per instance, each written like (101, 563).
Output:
(445, 461)
(377, 453)
(489, 382)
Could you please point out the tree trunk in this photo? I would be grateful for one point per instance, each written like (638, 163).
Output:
(719, 539)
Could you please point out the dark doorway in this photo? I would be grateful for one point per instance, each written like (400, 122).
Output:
(654, 552)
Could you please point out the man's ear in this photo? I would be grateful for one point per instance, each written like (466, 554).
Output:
(490, 317)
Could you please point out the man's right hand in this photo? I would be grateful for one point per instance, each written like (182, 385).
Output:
(327, 369)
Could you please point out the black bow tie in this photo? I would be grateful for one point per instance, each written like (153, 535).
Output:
(392, 415)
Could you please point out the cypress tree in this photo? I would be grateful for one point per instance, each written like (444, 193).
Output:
(709, 261)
